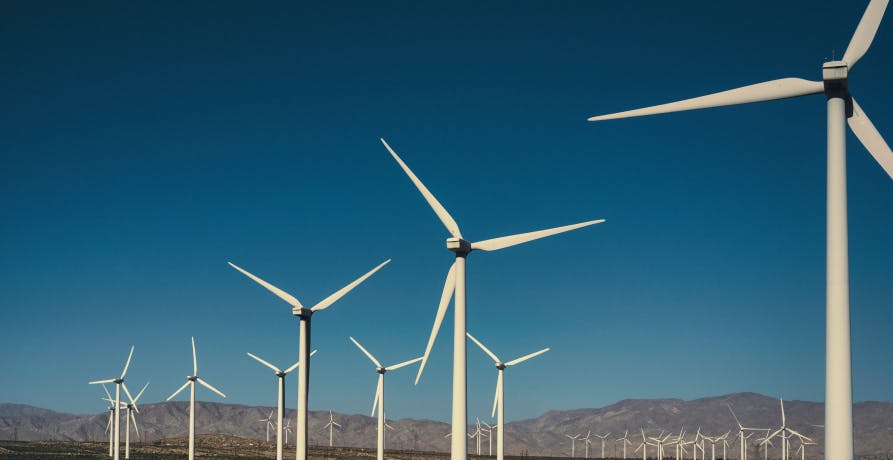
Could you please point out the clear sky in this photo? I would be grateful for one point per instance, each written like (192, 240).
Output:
(145, 144)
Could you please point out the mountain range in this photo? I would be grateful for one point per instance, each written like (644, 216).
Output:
(543, 435)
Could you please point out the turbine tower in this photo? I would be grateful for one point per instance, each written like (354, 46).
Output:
(268, 423)
(280, 411)
(379, 392)
(119, 383)
(131, 408)
(498, 398)
(304, 345)
(573, 443)
(742, 455)
(455, 282)
(840, 106)
(624, 441)
(190, 382)
(603, 437)
(785, 432)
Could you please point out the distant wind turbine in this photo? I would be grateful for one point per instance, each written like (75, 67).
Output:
(331, 426)
(131, 409)
(624, 441)
(304, 344)
(455, 281)
(119, 383)
(190, 382)
(573, 443)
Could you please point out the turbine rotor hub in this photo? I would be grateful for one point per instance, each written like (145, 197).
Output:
(835, 75)
(119, 381)
(500, 366)
(381, 370)
(192, 378)
(304, 313)
(459, 246)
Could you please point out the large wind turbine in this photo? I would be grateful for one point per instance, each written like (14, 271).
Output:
(785, 431)
(743, 439)
(131, 408)
(455, 281)
(379, 392)
(304, 344)
(190, 382)
(498, 398)
(840, 106)
(280, 376)
(119, 383)
(331, 426)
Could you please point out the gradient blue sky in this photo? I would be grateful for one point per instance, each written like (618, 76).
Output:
(144, 145)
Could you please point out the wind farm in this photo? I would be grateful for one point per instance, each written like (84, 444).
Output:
(710, 284)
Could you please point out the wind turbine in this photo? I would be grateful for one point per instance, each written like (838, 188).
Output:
(802, 449)
(741, 437)
(268, 423)
(573, 443)
(840, 106)
(603, 437)
(489, 437)
(331, 426)
(455, 281)
(190, 382)
(131, 408)
(280, 411)
(644, 445)
(624, 441)
(287, 430)
(587, 442)
(379, 392)
(108, 427)
(498, 398)
(304, 344)
(785, 432)
(660, 439)
(119, 383)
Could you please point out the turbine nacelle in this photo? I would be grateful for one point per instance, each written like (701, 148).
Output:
(458, 245)
(500, 366)
(381, 370)
(304, 313)
(192, 378)
(835, 75)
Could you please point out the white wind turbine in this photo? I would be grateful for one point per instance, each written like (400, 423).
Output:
(785, 432)
(268, 423)
(119, 383)
(131, 408)
(489, 437)
(840, 106)
(644, 445)
(659, 440)
(304, 344)
(190, 382)
(287, 429)
(108, 427)
(280, 411)
(587, 442)
(379, 392)
(742, 455)
(498, 398)
(573, 443)
(331, 426)
(624, 441)
(455, 281)
(603, 437)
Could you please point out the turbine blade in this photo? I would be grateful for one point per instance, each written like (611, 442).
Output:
(295, 365)
(865, 32)
(496, 394)
(438, 208)
(736, 417)
(494, 244)
(102, 382)
(258, 359)
(375, 401)
(124, 372)
(369, 355)
(127, 392)
(194, 359)
(802, 437)
(403, 364)
(139, 394)
(526, 357)
(781, 401)
(766, 91)
(208, 386)
(482, 347)
(328, 301)
(178, 391)
(864, 129)
(136, 428)
(448, 287)
(109, 395)
(288, 298)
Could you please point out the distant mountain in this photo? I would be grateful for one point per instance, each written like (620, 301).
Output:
(544, 435)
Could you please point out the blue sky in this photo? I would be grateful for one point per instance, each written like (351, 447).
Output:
(144, 145)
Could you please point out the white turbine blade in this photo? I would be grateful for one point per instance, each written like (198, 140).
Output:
(766, 91)
(208, 386)
(265, 363)
(133, 418)
(106, 391)
(494, 244)
(288, 298)
(865, 32)
(295, 365)
(126, 391)
(336, 424)
(403, 364)
(375, 401)
(781, 401)
(482, 347)
(438, 208)
(178, 391)
(800, 435)
(102, 382)
(526, 357)
(448, 287)
(139, 394)
(328, 301)
(735, 417)
(496, 394)
(124, 372)
(864, 129)
(369, 355)
(774, 434)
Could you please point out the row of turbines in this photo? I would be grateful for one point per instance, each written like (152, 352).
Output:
(698, 443)
(841, 109)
